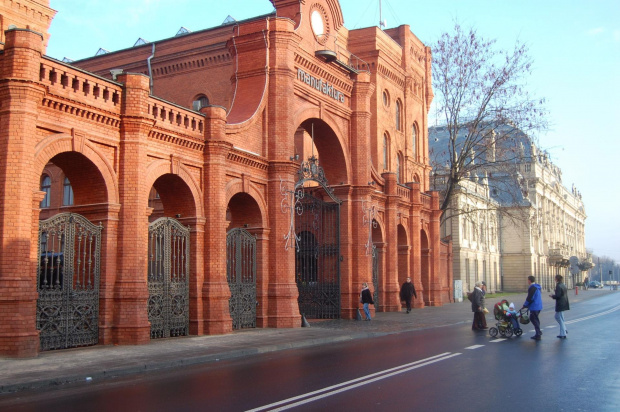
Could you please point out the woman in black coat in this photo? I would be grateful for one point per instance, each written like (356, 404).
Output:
(561, 304)
(366, 299)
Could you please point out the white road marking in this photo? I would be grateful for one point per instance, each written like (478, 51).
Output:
(475, 347)
(594, 316)
(498, 340)
(352, 384)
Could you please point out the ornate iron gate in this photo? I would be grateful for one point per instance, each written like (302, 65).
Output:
(68, 282)
(317, 263)
(376, 268)
(168, 278)
(241, 275)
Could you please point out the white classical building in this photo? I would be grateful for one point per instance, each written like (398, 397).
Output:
(527, 224)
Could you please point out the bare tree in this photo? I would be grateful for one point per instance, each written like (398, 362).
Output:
(481, 93)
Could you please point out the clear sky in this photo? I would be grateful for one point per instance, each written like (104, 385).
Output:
(575, 45)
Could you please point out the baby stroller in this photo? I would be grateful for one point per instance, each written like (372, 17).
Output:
(504, 325)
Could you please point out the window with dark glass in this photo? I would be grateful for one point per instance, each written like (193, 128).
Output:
(46, 186)
(67, 194)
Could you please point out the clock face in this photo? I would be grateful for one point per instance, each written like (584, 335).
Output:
(318, 25)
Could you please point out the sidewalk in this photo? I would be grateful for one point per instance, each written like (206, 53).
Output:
(104, 362)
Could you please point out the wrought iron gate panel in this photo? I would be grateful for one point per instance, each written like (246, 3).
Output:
(168, 278)
(317, 263)
(241, 276)
(376, 273)
(68, 274)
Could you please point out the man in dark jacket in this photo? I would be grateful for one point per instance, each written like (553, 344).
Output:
(534, 303)
(561, 304)
(407, 291)
(477, 306)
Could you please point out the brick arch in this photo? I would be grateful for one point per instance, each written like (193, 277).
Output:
(236, 186)
(161, 167)
(56, 144)
(310, 113)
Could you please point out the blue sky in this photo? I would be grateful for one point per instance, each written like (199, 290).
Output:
(575, 45)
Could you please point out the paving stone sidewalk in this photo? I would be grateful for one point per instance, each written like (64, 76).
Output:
(105, 362)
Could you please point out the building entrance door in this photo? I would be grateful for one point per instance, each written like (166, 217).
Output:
(68, 282)
(376, 267)
(168, 278)
(241, 275)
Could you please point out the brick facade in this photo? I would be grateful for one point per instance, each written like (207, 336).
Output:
(119, 141)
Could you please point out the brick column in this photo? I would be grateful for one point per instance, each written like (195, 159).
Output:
(197, 274)
(416, 256)
(262, 275)
(283, 310)
(357, 265)
(20, 96)
(392, 286)
(131, 292)
(215, 290)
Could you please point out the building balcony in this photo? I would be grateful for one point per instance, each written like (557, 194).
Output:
(559, 257)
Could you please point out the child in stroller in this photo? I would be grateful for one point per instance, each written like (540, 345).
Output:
(507, 320)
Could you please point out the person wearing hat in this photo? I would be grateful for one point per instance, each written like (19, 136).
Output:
(513, 315)
(477, 306)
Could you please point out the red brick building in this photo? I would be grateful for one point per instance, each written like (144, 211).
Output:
(125, 215)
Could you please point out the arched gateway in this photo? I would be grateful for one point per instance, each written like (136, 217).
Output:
(317, 234)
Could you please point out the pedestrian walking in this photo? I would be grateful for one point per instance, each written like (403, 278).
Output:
(477, 306)
(533, 301)
(366, 299)
(407, 291)
(561, 304)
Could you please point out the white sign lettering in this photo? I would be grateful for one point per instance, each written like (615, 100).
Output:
(320, 85)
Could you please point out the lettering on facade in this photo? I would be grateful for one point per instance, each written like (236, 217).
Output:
(320, 85)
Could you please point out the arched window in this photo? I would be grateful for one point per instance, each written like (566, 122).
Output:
(203, 101)
(414, 141)
(400, 166)
(385, 151)
(398, 114)
(67, 193)
(46, 186)
(398, 169)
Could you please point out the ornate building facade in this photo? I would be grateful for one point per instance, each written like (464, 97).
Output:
(234, 177)
(524, 223)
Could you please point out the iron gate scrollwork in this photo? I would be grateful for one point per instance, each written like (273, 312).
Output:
(68, 273)
(168, 278)
(317, 263)
(241, 276)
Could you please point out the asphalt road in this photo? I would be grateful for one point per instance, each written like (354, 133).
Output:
(441, 369)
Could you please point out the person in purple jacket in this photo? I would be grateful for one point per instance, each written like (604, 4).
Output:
(534, 303)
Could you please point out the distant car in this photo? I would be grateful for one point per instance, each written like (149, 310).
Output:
(595, 285)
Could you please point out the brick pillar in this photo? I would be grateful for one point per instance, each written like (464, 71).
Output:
(215, 290)
(357, 263)
(416, 256)
(283, 310)
(131, 293)
(20, 96)
(197, 274)
(392, 286)
(262, 275)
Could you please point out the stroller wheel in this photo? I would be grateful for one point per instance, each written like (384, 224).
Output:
(508, 333)
(518, 332)
(502, 332)
(493, 332)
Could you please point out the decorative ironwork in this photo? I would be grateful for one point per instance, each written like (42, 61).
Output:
(241, 276)
(168, 278)
(291, 205)
(68, 282)
(317, 261)
(369, 215)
